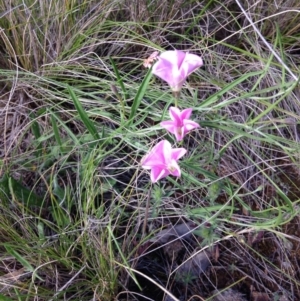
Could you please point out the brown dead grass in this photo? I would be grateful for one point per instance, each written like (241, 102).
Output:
(263, 262)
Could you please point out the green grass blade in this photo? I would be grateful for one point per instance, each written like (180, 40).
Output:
(215, 97)
(139, 96)
(25, 263)
(119, 78)
(37, 134)
(84, 117)
(19, 257)
(122, 256)
(11, 188)
(4, 298)
(67, 129)
(121, 83)
(56, 131)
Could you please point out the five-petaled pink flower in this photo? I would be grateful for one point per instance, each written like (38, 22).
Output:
(180, 124)
(162, 160)
(174, 66)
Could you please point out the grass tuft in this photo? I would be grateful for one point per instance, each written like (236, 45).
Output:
(79, 218)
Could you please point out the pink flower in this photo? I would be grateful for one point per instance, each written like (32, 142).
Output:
(180, 124)
(162, 160)
(175, 66)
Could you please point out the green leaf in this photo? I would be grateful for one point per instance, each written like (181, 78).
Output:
(214, 190)
(13, 189)
(66, 128)
(83, 115)
(215, 97)
(3, 298)
(139, 96)
(36, 129)
(56, 131)
(119, 78)
(20, 258)
(25, 263)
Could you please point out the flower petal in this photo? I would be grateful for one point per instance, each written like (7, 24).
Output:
(162, 160)
(189, 125)
(175, 66)
(174, 169)
(181, 57)
(179, 133)
(162, 68)
(175, 115)
(186, 113)
(169, 126)
(175, 57)
(158, 173)
(167, 150)
(155, 157)
(192, 62)
(177, 153)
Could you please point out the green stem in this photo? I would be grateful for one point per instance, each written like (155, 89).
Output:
(176, 95)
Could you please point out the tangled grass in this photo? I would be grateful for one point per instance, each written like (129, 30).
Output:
(80, 219)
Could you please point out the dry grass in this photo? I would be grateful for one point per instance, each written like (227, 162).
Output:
(79, 217)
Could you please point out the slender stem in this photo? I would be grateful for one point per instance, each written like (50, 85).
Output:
(176, 95)
(147, 211)
(176, 102)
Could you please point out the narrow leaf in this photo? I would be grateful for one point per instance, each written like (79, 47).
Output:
(56, 131)
(119, 78)
(83, 115)
(140, 94)
(215, 97)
